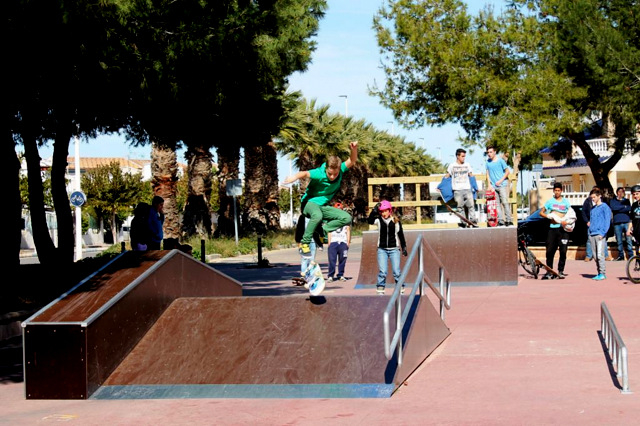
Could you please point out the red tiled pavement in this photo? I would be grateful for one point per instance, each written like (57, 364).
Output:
(520, 355)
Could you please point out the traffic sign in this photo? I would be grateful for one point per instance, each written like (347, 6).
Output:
(78, 198)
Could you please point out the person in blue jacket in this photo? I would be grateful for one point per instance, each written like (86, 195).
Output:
(598, 228)
(620, 208)
(586, 213)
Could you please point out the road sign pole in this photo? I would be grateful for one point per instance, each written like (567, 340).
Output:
(235, 218)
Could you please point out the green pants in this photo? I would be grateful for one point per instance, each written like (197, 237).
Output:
(334, 218)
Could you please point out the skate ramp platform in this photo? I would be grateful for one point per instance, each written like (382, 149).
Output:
(274, 347)
(471, 256)
(71, 346)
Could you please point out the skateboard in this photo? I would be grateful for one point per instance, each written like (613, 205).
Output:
(298, 281)
(492, 208)
(314, 279)
(549, 270)
(461, 217)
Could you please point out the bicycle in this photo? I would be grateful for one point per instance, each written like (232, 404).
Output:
(633, 265)
(526, 259)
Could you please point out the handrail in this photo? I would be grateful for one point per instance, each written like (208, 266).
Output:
(616, 347)
(443, 292)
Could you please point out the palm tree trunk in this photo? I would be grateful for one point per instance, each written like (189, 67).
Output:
(197, 211)
(261, 211)
(164, 171)
(228, 168)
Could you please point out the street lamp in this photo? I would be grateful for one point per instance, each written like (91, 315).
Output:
(422, 143)
(346, 104)
(439, 155)
(392, 129)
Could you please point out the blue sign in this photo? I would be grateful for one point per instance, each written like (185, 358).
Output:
(78, 198)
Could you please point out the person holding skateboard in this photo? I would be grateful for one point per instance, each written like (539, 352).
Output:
(461, 173)
(324, 183)
(390, 242)
(598, 228)
(555, 209)
(498, 178)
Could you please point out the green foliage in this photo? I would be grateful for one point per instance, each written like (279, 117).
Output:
(46, 187)
(110, 192)
(537, 71)
(226, 246)
(284, 201)
(310, 133)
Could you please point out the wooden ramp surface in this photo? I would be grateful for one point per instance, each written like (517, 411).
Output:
(273, 347)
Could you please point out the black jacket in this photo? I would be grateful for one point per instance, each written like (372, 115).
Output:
(390, 234)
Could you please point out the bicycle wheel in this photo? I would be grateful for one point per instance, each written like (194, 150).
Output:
(528, 262)
(633, 269)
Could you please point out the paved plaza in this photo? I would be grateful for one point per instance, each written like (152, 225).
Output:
(529, 354)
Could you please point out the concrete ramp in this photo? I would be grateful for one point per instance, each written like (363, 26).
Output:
(472, 257)
(275, 347)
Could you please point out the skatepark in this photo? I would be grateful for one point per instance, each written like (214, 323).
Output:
(511, 350)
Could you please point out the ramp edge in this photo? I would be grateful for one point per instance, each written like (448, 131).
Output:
(349, 390)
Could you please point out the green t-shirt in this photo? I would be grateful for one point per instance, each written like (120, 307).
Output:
(321, 190)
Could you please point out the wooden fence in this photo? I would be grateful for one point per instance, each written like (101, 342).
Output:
(419, 203)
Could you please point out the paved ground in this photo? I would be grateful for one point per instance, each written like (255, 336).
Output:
(528, 355)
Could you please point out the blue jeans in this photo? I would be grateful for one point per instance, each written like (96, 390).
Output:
(590, 251)
(620, 229)
(305, 261)
(599, 242)
(384, 255)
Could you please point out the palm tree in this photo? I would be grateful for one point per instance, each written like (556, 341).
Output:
(261, 212)
(197, 213)
(164, 171)
(228, 168)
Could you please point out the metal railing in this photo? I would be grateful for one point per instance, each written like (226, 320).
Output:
(442, 291)
(616, 347)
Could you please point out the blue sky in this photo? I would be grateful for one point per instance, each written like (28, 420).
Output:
(346, 62)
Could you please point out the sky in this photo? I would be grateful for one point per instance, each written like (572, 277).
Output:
(345, 64)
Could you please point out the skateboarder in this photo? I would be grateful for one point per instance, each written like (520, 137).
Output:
(390, 242)
(461, 173)
(323, 184)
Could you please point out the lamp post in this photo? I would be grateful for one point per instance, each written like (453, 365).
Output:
(346, 104)
(392, 128)
(439, 155)
(422, 143)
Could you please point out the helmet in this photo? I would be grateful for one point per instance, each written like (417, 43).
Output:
(635, 188)
(338, 205)
(385, 205)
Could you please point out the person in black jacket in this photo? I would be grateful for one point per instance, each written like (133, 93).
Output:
(390, 242)
(139, 233)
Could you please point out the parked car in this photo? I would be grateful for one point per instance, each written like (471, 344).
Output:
(523, 213)
(536, 228)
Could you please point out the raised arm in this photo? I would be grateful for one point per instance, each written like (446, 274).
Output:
(353, 158)
(300, 175)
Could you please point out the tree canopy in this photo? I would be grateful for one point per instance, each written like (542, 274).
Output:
(540, 70)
